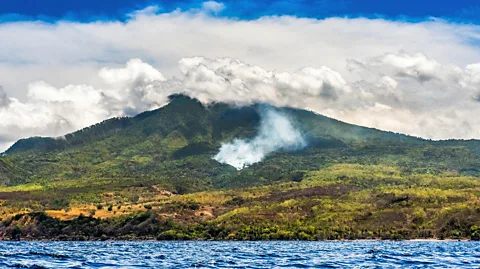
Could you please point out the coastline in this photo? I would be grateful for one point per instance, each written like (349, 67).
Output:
(151, 227)
(152, 240)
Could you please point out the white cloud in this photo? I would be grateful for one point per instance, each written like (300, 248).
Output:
(369, 72)
(42, 51)
(408, 93)
(213, 7)
(230, 80)
(51, 111)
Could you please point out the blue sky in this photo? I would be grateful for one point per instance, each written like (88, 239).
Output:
(86, 10)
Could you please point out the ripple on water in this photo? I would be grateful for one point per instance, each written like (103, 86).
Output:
(354, 254)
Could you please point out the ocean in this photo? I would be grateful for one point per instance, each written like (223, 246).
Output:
(279, 254)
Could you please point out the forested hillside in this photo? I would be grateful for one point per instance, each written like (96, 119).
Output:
(156, 174)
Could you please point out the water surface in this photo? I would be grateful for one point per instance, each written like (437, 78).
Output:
(355, 254)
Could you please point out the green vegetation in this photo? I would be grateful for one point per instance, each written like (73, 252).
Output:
(152, 176)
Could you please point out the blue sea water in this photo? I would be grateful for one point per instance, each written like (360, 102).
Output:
(353, 254)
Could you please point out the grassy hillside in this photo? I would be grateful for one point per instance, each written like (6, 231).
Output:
(153, 175)
(343, 201)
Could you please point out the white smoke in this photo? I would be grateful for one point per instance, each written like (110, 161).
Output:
(276, 133)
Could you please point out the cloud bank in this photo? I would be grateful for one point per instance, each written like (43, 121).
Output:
(408, 93)
(66, 52)
(416, 78)
(276, 132)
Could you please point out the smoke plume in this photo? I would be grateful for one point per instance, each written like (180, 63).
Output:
(276, 132)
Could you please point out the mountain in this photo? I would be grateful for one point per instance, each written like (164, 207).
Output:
(177, 142)
(163, 159)
(10, 174)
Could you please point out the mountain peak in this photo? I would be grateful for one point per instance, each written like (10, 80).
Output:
(177, 144)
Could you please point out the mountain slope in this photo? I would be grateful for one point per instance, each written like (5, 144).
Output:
(153, 176)
(174, 146)
(191, 118)
(10, 174)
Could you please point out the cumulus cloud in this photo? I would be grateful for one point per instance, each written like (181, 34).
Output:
(403, 92)
(213, 6)
(51, 111)
(71, 53)
(416, 78)
(230, 80)
(407, 93)
(413, 94)
(276, 132)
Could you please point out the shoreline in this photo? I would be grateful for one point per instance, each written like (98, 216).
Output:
(420, 240)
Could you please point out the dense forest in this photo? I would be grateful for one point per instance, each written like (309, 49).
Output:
(153, 177)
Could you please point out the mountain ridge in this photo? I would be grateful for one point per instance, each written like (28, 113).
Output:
(184, 135)
(110, 126)
(119, 123)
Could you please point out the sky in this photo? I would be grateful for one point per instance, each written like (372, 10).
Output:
(411, 67)
(87, 10)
